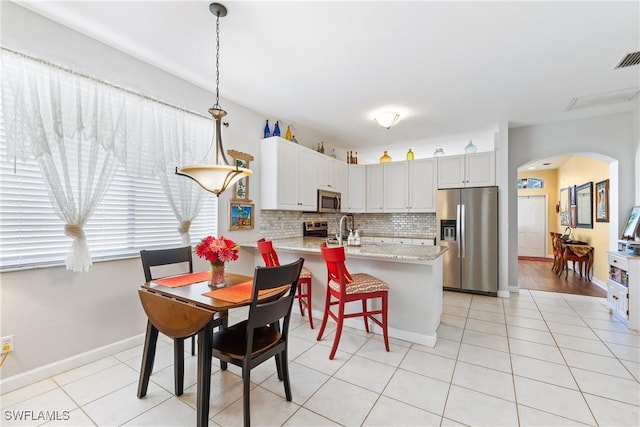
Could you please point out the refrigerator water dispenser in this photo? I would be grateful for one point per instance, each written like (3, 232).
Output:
(448, 230)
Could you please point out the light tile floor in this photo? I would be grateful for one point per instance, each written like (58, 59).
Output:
(536, 359)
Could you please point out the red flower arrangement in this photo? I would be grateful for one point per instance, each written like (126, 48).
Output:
(217, 250)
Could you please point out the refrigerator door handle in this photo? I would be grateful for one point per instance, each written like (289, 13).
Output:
(458, 225)
(463, 243)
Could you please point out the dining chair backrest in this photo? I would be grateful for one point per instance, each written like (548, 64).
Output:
(160, 257)
(269, 255)
(272, 311)
(336, 269)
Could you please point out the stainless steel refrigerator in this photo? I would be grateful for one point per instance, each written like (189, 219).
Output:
(467, 223)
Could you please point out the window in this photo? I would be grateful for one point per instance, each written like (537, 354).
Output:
(133, 215)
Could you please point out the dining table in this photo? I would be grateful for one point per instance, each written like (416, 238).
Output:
(186, 305)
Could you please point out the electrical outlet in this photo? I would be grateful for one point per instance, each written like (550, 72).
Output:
(6, 344)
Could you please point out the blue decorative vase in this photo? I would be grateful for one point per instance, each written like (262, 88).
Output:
(267, 131)
(276, 129)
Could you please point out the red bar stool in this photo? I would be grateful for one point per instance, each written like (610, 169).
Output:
(270, 257)
(345, 287)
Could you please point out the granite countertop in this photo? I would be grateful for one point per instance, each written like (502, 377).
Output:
(417, 254)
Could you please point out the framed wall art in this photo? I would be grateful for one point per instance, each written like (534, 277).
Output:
(602, 201)
(241, 187)
(565, 214)
(241, 216)
(584, 202)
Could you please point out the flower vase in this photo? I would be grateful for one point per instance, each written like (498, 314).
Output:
(217, 275)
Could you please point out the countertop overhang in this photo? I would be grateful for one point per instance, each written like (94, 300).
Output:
(412, 254)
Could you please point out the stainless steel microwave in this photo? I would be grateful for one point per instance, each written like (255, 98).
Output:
(328, 201)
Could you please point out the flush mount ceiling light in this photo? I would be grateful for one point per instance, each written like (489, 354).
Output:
(216, 178)
(387, 119)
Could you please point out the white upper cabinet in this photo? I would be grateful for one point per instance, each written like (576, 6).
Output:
(422, 185)
(332, 174)
(467, 170)
(409, 186)
(374, 198)
(356, 193)
(395, 186)
(287, 176)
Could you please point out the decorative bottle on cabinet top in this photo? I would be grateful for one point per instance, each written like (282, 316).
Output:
(385, 158)
(267, 131)
(276, 129)
(470, 148)
(287, 135)
(409, 154)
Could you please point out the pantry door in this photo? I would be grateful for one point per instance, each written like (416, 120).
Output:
(532, 226)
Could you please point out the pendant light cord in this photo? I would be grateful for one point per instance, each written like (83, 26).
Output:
(217, 105)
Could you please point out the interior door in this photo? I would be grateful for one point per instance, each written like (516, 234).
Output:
(532, 226)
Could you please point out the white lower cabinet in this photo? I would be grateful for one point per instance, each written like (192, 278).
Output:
(623, 288)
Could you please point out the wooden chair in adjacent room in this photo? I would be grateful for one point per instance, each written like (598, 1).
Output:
(303, 295)
(557, 251)
(170, 257)
(343, 287)
(259, 338)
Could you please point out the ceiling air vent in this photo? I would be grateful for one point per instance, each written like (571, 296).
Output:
(629, 60)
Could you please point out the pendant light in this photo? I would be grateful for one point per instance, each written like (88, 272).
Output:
(387, 119)
(216, 178)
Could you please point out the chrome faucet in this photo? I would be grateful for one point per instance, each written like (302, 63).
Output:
(339, 235)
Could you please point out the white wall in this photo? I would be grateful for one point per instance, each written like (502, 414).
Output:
(482, 138)
(55, 314)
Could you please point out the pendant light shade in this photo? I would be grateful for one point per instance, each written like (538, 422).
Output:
(216, 178)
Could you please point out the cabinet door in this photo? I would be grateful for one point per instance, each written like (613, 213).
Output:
(338, 172)
(374, 188)
(305, 168)
(480, 169)
(287, 176)
(396, 186)
(422, 185)
(355, 201)
(451, 171)
(322, 163)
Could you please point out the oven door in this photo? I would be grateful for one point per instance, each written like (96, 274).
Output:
(328, 201)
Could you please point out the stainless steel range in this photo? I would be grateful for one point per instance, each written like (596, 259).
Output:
(315, 229)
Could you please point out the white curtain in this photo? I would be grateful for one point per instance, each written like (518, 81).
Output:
(81, 130)
(77, 131)
(181, 137)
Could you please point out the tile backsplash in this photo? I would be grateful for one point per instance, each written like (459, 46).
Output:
(284, 224)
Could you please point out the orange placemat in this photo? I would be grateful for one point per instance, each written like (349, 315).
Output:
(238, 293)
(183, 279)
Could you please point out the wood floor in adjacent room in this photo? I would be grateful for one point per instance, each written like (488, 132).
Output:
(537, 275)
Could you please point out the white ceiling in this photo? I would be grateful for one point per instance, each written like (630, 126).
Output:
(447, 67)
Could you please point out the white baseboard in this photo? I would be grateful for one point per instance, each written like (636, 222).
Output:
(515, 289)
(47, 371)
(505, 294)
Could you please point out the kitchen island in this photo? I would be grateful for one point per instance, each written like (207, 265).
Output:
(413, 272)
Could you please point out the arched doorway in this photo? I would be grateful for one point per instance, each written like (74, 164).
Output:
(553, 178)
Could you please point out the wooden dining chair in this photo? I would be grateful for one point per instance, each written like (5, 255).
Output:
(170, 257)
(557, 251)
(303, 295)
(343, 287)
(259, 338)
